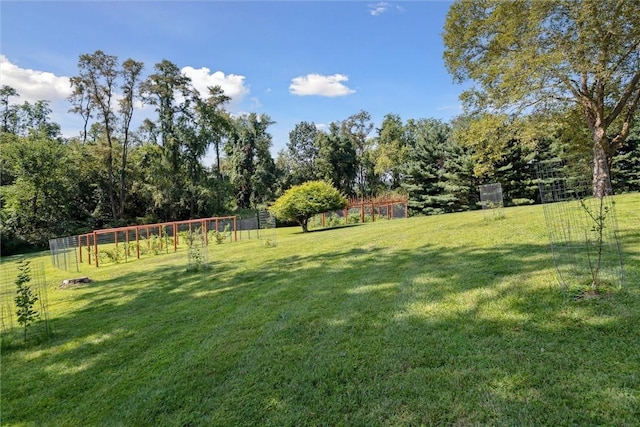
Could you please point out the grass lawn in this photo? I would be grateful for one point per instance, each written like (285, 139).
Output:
(442, 320)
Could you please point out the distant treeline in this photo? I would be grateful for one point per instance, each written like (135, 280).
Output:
(112, 175)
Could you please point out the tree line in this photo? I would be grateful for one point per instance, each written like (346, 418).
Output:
(113, 175)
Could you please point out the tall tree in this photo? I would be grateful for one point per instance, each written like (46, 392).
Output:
(426, 171)
(537, 55)
(9, 111)
(131, 71)
(214, 121)
(357, 128)
(302, 153)
(252, 167)
(171, 93)
(81, 103)
(98, 74)
(337, 161)
(392, 150)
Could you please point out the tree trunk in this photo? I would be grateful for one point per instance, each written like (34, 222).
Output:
(304, 223)
(601, 178)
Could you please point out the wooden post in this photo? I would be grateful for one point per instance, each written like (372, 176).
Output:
(115, 238)
(80, 247)
(175, 237)
(204, 230)
(235, 228)
(137, 243)
(126, 248)
(324, 218)
(95, 245)
(88, 249)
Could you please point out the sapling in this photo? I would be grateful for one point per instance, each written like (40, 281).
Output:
(25, 300)
(599, 219)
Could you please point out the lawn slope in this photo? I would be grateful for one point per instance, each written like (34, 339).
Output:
(451, 319)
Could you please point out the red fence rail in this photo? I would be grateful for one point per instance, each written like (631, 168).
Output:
(91, 241)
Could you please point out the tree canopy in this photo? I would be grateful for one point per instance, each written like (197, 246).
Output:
(537, 56)
(301, 202)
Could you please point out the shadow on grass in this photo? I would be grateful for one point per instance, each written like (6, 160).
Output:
(359, 336)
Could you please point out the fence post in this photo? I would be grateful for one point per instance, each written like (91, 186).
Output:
(137, 243)
(205, 231)
(235, 228)
(175, 237)
(88, 249)
(95, 245)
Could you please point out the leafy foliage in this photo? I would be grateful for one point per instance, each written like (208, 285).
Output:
(25, 299)
(301, 202)
(536, 57)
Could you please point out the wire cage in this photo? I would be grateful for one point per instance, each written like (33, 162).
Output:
(491, 200)
(267, 228)
(8, 308)
(583, 229)
(64, 253)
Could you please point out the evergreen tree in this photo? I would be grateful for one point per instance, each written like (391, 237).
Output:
(426, 172)
(625, 170)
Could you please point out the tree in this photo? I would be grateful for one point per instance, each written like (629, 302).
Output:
(357, 129)
(540, 55)
(392, 150)
(25, 299)
(626, 164)
(337, 159)
(98, 75)
(131, 78)
(302, 153)
(301, 202)
(9, 112)
(38, 204)
(252, 167)
(427, 173)
(171, 93)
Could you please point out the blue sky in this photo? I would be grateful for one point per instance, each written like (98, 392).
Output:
(293, 60)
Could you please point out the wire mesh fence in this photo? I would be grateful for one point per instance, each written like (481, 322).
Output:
(491, 200)
(8, 308)
(64, 253)
(362, 211)
(124, 244)
(267, 228)
(583, 229)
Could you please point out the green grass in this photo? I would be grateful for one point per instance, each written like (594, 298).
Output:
(443, 320)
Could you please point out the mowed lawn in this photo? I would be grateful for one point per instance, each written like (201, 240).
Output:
(442, 320)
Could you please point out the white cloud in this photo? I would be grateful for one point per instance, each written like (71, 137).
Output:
(232, 84)
(378, 8)
(33, 85)
(316, 84)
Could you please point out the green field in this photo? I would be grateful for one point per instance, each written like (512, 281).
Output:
(441, 320)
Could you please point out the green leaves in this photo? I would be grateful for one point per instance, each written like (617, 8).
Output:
(301, 202)
(24, 299)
